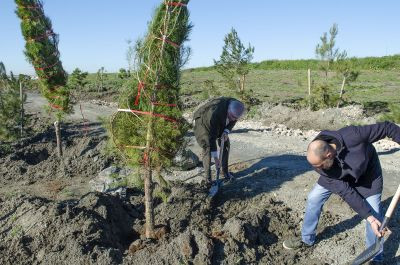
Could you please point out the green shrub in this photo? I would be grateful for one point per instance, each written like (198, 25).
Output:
(209, 90)
(393, 115)
(322, 97)
(10, 109)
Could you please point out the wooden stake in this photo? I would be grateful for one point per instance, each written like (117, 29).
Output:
(21, 96)
(58, 138)
(148, 184)
(341, 92)
(309, 88)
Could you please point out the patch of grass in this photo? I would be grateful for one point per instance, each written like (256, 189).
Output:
(16, 231)
(68, 193)
(162, 194)
(277, 86)
(5, 148)
(135, 181)
(393, 115)
(375, 107)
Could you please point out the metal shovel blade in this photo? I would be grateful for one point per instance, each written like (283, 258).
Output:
(217, 183)
(369, 253)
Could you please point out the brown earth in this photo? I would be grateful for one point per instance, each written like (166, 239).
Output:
(48, 215)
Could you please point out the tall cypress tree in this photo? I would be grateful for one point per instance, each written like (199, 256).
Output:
(149, 127)
(41, 50)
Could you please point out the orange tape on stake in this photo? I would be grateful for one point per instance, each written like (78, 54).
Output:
(140, 87)
(168, 41)
(55, 106)
(148, 113)
(48, 33)
(46, 67)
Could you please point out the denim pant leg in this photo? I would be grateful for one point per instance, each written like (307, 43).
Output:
(315, 201)
(374, 202)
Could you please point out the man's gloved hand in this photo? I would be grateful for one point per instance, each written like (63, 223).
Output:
(376, 224)
(217, 162)
(215, 155)
(225, 135)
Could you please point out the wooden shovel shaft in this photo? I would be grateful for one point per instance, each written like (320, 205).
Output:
(393, 203)
(370, 252)
(221, 151)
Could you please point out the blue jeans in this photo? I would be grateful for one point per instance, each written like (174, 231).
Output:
(316, 200)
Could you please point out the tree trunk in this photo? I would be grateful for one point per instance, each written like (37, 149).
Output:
(58, 137)
(148, 182)
(341, 92)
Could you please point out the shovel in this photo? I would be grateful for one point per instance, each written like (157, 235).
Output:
(370, 252)
(217, 183)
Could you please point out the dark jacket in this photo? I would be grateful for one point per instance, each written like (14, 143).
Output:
(356, 173)
(210, 122)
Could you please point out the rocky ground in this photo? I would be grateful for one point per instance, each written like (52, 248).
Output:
(50, 215)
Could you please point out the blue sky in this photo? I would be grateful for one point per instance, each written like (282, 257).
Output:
(93, 33)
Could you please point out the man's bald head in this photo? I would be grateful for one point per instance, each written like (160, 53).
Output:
(320, 154)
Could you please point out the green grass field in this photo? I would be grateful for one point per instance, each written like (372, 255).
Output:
(284, 85)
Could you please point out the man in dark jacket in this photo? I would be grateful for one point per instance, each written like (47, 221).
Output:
(214, 121)
(349, 166)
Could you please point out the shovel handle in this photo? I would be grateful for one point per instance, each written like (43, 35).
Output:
(221, 149)
(390, 210)
(393, 203)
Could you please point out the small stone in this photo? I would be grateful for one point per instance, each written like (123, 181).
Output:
(135, 246)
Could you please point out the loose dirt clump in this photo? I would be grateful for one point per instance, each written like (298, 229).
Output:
(104, 229)
(33, 160)
(49, 216)
(93, 230)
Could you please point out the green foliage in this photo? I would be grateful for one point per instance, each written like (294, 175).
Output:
(234, 61)
(135, 181)
(130, 55)
(209, 90)
(3, 72)
(326, 51)
(101, 77)
(77, 79)
(159, 64)
(375, 107)
(391, 62)
(162, 194)
(123, 74)
(10, 106)
(393, 115)
(41, 50)
(331, 59)
(16, 231)
(323, 96)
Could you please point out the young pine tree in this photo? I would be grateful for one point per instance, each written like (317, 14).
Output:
(149, 127)
(326, 51)
(77, 79)
(41, 50)
(11, 106)
(345, 69)
(234, 60)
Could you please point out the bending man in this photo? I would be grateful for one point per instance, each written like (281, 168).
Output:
(213, 121)
(349, 166)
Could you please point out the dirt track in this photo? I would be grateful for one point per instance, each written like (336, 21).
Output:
(245, 224)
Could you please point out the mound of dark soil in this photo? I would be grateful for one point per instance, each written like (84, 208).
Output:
(34, 159)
